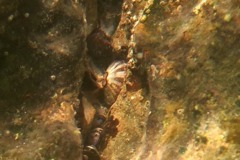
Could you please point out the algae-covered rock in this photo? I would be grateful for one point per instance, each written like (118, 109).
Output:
(192, 58)
(42, 48)
(181, 97)
(190, 52)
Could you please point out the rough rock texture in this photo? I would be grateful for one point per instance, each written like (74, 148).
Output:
(182, 96)
(42, 45)
(190, 50)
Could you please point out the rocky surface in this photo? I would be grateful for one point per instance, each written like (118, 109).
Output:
(190, 51)
(181, 99)
(42, 47)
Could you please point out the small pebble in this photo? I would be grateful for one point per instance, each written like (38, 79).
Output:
(53, 77)
(26, 15)
(180, 111)
(143, 18)
(179, 8)
(7, 132)
(162, 3)
(139, 55)
(147, 11)
(10, 18)
(227, 18)
(125, 7)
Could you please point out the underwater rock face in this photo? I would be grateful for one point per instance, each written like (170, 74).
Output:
(42, 47)
(181, 98)
(190, 50)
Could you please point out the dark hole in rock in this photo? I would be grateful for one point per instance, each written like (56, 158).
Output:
(93, 113)
(101, 51)
(109, 12)
(110, 132)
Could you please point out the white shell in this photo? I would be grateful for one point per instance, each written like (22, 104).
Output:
(116, 75)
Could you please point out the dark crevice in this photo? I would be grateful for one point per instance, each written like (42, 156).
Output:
(109, 14)
(93, 113)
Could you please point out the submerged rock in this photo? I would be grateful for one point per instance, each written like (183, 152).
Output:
(42, 48)
(190, 54)
(180, 100)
